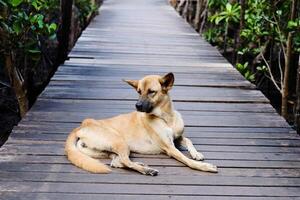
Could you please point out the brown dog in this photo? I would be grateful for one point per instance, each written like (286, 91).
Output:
(151, 130)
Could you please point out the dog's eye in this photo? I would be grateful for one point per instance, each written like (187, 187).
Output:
(152, 92)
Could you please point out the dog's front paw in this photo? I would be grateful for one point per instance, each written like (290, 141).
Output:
(151, 172)
(209, 167)
(197, 155)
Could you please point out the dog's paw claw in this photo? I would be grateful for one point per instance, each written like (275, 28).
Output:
(151, 172)
(197, 156)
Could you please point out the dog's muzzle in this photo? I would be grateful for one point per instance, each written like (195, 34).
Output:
(144, 106)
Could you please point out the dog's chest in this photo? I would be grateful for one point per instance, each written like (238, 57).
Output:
(169, 131)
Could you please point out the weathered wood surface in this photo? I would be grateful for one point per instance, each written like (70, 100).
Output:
(228, 120)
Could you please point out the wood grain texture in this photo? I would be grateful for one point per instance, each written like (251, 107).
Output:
(227, 119)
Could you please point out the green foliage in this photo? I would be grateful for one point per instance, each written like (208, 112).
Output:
(212, 4)
(86, 8)
(25, 23)
(262, 69)
(211, 35)
(244, 70)
(222, 15)
(264, 32)
(256, 26)
(231, 13)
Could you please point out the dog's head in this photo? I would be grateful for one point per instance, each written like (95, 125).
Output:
(153, 91)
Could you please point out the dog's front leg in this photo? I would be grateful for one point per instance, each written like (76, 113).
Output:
(187, 143)
(198, 165)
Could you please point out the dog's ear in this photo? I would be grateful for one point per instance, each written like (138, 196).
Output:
(133, 83)
(167, 81)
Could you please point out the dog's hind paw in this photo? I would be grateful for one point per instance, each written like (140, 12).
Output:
(151, 172)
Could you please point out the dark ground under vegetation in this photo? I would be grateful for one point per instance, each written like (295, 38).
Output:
(261, 39)
(45, 54)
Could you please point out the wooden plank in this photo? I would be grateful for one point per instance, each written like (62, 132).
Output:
(163, 170)
(91, 61)
(88, 64)
(61, 127)
(45, 155)
(70, 196)
(115, 82)
(121, 70)
(201, 147)
(187, 68)
(243, 142)
(71, 105)
(54, 135)
(226, 118)
(57, 187)
(136, 179)
(84, 91)
(146, 55)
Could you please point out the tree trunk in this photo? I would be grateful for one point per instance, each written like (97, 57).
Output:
(17, 84)
(64, 32)
(198, 15)
(185, 9)
(190, 11)
(225, 38)
(238, 36)
(297, 104)
(203, 16)
(289, 47)
(180, 6)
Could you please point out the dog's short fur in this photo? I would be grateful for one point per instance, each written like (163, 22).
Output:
(151, 130)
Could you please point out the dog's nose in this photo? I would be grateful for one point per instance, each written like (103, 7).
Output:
(139, 105)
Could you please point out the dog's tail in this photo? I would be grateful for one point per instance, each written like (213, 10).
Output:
(80, 159)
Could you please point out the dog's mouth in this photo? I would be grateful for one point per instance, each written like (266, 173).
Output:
(144, 106)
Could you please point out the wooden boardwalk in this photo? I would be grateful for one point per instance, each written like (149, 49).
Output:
(232, 123)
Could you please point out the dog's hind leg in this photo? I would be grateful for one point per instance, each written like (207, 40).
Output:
(137, 166)
(187, 143)
(122, 160)
(116, 162)
(91, 152)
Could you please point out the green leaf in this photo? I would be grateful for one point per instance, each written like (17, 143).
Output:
(15, 3)
(40, 23)
(17, 28)
(228, 7)
(52, 37)
(292, 24)
(3, 3)
(219, 19)
(52, 27)
(34, 4)
(279, 12)
(251, 77)
(34, 51)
